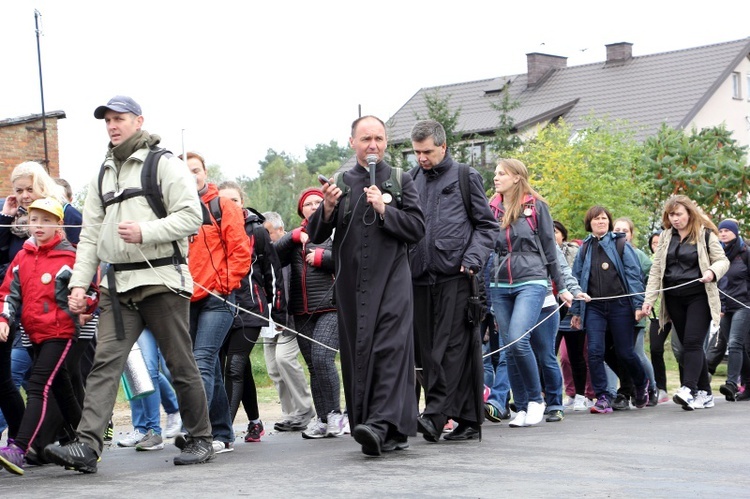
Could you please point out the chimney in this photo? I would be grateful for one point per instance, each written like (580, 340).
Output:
(619, 52)
(540, 65)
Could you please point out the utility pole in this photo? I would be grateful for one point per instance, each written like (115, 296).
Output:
(37, 15)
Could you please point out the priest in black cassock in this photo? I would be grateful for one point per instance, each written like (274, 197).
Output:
(373, 290)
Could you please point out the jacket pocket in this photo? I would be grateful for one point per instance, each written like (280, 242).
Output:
(448, 255)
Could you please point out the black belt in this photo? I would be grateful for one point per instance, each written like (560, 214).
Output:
(116, 312)
(159, 262)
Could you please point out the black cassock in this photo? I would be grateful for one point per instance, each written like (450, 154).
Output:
(373, 293)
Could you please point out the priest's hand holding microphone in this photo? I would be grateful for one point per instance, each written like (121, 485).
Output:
(331, 192)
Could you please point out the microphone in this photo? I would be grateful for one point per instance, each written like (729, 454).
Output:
(372, 160)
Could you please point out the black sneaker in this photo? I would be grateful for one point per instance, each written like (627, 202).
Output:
(73, 456)
(109, 433)
(729, 390)
(195, 452)
(621, 403)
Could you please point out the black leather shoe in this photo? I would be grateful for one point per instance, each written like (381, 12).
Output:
(368, 439)
(426, 427)
(463, 432)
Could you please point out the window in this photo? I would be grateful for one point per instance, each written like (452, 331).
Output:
(736, 86)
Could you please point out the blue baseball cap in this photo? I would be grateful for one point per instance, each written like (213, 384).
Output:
(119, 104)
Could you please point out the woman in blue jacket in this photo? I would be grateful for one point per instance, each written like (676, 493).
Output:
(606, 267)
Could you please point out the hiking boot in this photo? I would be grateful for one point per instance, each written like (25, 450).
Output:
(254, 432)
(75, 456)
(109, 433)
(641, 396)
(152, 441)
(684, 397)
(174, 425)
(729, 390)
(131, 439)
(621, 403)
(602, 405)
(195, 452)
(12, 458)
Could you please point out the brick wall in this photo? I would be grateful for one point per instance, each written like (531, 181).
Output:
(25, 142)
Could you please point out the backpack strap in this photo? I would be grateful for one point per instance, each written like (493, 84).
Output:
(338, 179)
(151, 190)
(393, 185)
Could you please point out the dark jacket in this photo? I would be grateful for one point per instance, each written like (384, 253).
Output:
(518, 255)
(453, 237)
(628, 270)
(310, 286)
(262, 289)
(736, 281)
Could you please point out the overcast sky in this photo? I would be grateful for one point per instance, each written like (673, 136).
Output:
(242, 77)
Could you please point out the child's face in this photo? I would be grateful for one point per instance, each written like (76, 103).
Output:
(43, 226)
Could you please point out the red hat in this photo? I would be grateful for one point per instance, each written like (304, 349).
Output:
(310, 191)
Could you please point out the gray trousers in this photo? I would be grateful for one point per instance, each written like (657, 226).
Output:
(288, 376)
(167, 316)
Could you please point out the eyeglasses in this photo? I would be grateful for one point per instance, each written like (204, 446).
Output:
(311, 204)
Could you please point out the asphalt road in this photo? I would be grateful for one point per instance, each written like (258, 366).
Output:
(654, 452)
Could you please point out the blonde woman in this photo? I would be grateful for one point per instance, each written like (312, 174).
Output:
(525, 258)
(689, 254)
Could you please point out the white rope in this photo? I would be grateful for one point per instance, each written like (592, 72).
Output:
(237, 307)
(504, 347)
(734, 299)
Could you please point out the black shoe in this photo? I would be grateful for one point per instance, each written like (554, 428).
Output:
(74, 456)
(426, 427)
(621, 403)
(463, 432)
(653, 398)
(368, 439)
(195, 451)
(109, 433)
(555, 416)
(729, 390)
(395, 443)
(494, 414)
(285, 425)
(180, 441)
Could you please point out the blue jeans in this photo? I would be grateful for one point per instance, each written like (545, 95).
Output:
(145, 412)
(618, 317)
(496, 377)
(543, 345)
(210, 320)
(516, 311)
(739, 327)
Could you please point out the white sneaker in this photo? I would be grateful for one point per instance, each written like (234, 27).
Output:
(534, 413)
(703, 400)
(335, 425)
(131, 439)
(347, 429)
(222, 447)
(568, 403)
(580, 403)
(684, 397)
(663, 396)
(519, 421)
(318, 429)
(174, 425)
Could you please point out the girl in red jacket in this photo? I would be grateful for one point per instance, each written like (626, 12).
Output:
(38, 279)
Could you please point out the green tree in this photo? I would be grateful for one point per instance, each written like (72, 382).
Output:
(324, 154)
(277, 188)
(707, 165)
(596, 165)
(439, 109)
(505, 141)
(272, 155)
